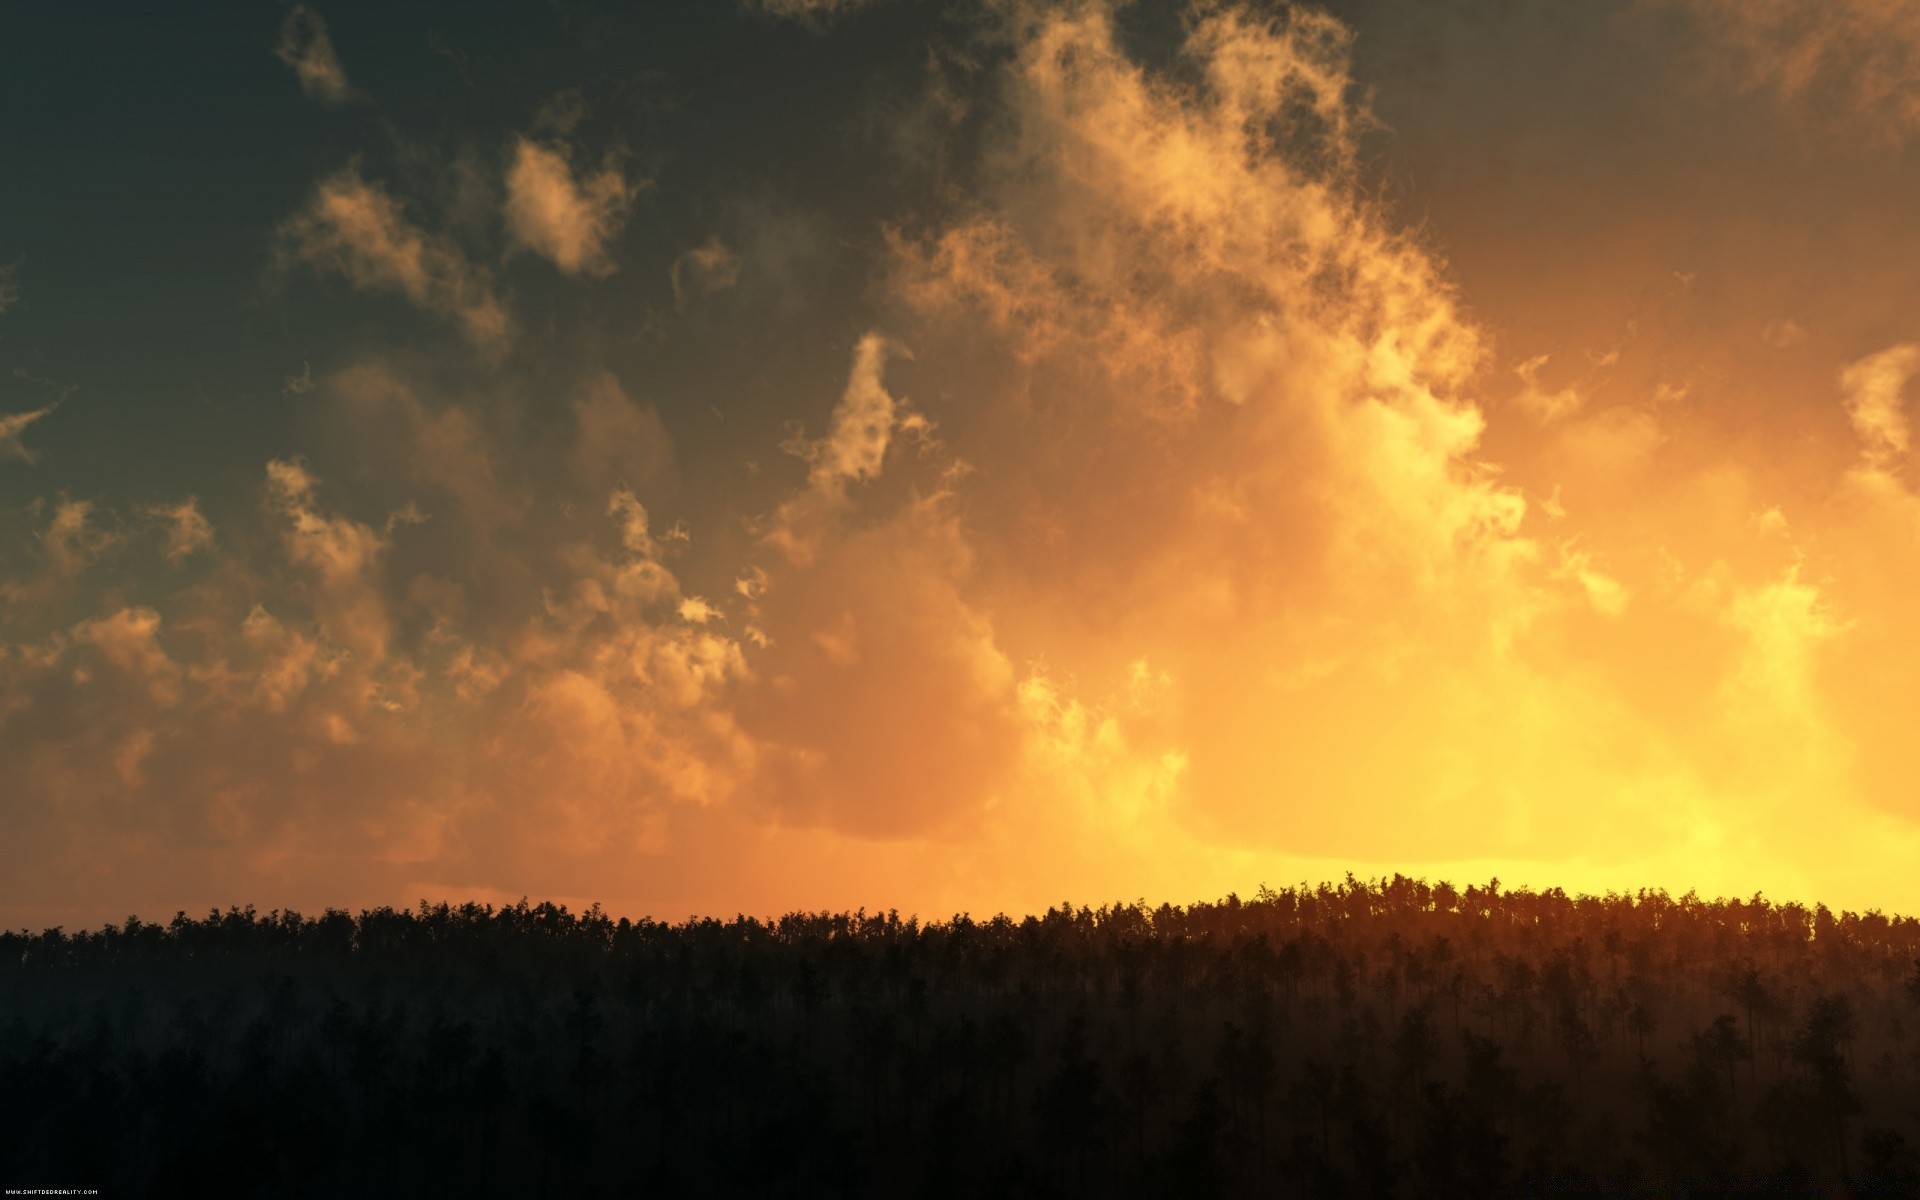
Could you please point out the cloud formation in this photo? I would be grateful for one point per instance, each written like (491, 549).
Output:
(1874, 390)
(350, 729)
(707, 268)
(356, 229)
(1262, 375)
(565, 218)
(1855, 59)
(814, 11)
(305, 47)
(13, 425)
(1541, 404)
(187, 530)
(1156, 515)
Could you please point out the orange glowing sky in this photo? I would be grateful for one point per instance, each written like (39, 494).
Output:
(967, 456)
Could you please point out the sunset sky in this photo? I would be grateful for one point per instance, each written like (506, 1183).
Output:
(738, 455)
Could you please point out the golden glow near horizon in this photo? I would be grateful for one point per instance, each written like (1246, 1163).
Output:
(1183, 520)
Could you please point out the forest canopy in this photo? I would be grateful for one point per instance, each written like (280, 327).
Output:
(1388, 1037)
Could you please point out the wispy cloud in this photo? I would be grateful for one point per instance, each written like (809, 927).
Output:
(71, 542)
(854, 448)
(185, 529)
(1873, 391)
(356, 229)
(817, 12)
(1543, 405)
(704, 270)
(1858, 60)
(298, 385)
(13, 426)
(305, 47)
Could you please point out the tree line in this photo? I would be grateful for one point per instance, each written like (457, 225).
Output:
(1364, 1038)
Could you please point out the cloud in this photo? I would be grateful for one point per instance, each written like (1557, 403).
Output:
(1873, 395)
(355, 229)
(1213, 395)
(702, 271)
(618, 441)
(1221, 326)
(1858, 60)
(441, 449)
(854, 448)
(1872, 392)
(1227, 413)
(1167, 524)
(1211, 417)
(13, 425)
(305, 47)
(1786, 622)
(127, 640)
(9, 286)
(884, 704)
(279, 709)
(188, 532)
(1544, 406)
(1783, 333)
(862, 424)
(298, 385)
(342, 558)
(567, 219)
(817, 12)
(71, 542)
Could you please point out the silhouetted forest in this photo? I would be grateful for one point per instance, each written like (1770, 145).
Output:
(1360, 1039)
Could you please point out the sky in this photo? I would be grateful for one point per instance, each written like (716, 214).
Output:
(955, 455)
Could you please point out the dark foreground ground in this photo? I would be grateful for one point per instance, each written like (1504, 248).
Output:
(1389, 1039)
